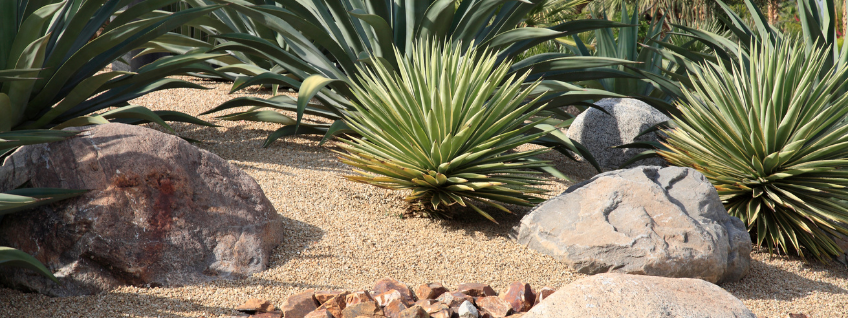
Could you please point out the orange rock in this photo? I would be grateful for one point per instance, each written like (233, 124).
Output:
(335, 305)
(385, 298)
(430, 291)
(253, 305)
(494, 306)
(394, 308)
(298, 305)
(323, 295)
(388, 283)
(414, 312)
(476, 290)
(358, 297)
(454, 299)
(542, 294)
(319, 313)
(519, 296)
(367, 309)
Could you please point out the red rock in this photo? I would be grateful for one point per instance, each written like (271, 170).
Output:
(423, 302)
(275, 314)
(384, 298)
(358, 297)
(394, 308)
(430, 291)
(455, 299)
(476, 290)
(318, 313)
(495, 306)
(253, 305)
(365, 309)
(298, 305)
(323, 295)
(414, 312)
(435, 307)
(388, 283)
(542, 294)
(335, 305)
(519, 296)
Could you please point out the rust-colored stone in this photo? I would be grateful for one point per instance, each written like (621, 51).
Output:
(365, 309)
(519, 296)
(430, 291)
(323, 295)
(476, 290)
(298, 305)
(394, 308)
(414, 312)
(335, 305)
(358, 297)
(454, 299)
(384, 298)
(495, 306)
(388, 283)
(319, 313)
(424, 302)
(253, 305)
(543, 293)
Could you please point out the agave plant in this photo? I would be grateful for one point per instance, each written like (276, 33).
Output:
(770, 135)
(326, 42)
(443, 126)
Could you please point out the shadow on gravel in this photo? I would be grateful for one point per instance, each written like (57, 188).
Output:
(767, 281)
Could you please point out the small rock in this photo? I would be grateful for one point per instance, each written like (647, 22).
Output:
(384, 298)
(323, 295)
(358, 297)
(388, 283)
(318, 313)
(414, 312)
(543, 293)
(365, 309)
(435, 307)
(801, 315)
(430, 291)
(454, 299)
(520, 296)
(335, 305)
(495, 306)
(394, 308)
(275, 314)
(467, 310)
(476, 290)
(253, 305)
(424, 302)
(298, 305)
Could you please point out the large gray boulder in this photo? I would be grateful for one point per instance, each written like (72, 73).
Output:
(627, 118)
(646, 220)
(160, 212)
(636, 296)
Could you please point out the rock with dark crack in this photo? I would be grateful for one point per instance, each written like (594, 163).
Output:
(646, 220)
(161, 212)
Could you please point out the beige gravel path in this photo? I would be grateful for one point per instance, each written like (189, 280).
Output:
(345, 235)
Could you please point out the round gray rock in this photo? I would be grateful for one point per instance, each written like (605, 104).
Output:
(627, 118)
(620, 295)
(160, 212)
(646, 220)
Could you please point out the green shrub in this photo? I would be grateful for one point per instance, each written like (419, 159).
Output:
(443, 128)
(771, 136)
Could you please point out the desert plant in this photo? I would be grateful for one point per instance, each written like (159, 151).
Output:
(328, 41)
(443, 126)
(770, 135)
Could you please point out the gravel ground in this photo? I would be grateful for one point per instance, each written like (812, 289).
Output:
(346, 235)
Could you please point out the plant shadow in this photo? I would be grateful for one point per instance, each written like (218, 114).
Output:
(774, 282)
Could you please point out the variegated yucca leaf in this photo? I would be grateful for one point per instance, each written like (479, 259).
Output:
(445, 126)
(771, 135)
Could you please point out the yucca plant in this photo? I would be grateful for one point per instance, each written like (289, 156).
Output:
(326, 42)
(443, 127)
(771, 136)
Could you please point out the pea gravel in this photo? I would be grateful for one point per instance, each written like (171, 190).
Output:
(346, 235)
